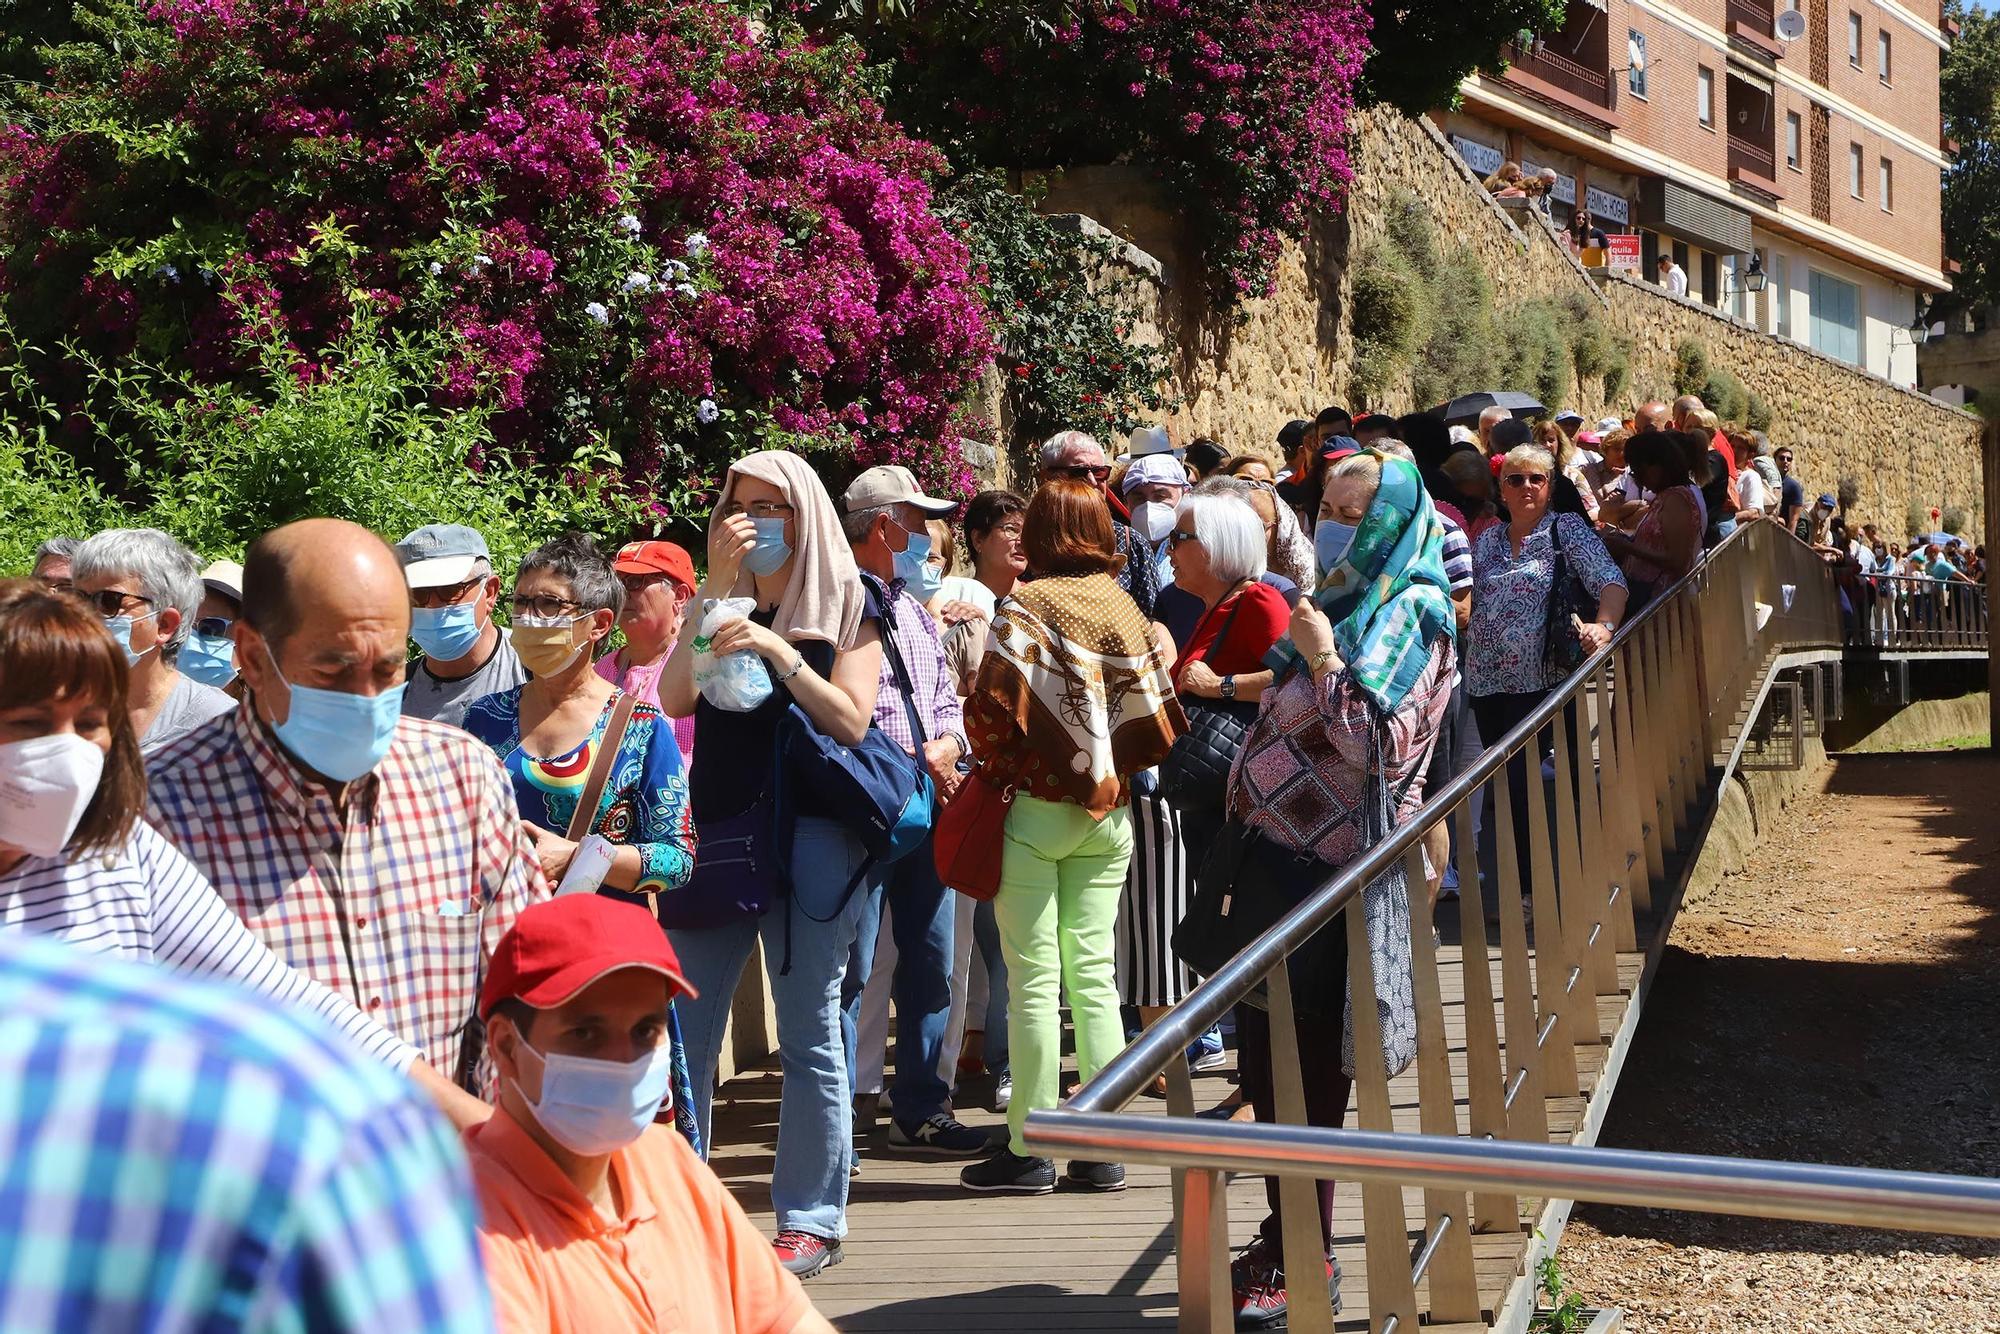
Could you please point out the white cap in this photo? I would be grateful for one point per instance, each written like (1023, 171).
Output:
(225, 577)
(1463, 435)
(1606, 425)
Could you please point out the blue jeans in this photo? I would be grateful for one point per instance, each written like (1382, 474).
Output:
(815, 1111)
(986, 939)
(920, 917)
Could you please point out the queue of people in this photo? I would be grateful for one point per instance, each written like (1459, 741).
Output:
(524, 871)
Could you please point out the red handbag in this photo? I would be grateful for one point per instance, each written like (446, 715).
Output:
(966, 839)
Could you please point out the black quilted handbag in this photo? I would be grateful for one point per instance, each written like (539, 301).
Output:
(1195, 774)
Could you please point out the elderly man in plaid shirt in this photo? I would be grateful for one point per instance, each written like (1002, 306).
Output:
(883, 513)
(379, 854)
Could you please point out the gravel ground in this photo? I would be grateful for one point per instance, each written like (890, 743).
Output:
(1839, 1003)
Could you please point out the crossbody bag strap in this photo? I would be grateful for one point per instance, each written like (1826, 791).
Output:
(600, 767)
(905, 683)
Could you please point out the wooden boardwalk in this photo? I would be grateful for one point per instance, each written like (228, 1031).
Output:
(923, 1255)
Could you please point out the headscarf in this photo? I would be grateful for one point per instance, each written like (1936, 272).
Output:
(1388, 598)
(823, 599)
(1292, 552)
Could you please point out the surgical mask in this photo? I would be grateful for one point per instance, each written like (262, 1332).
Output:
(913, 566)
(446, 634)
(1331, 540)
(592, 1107)
(544, 644)
(1154, 520)
(46, 784)
(335, 733)
(209, 659)
(772, 550)
(121, 630)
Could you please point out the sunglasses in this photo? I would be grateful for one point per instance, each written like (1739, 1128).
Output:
(444, 595)
(111, 602)
(1180, 535)
(1521, 479)
(214, 627)
(1084, 472)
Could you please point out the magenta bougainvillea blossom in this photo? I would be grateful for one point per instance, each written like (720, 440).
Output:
(652, 240)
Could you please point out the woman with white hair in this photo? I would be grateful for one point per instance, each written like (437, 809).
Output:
(148, 589)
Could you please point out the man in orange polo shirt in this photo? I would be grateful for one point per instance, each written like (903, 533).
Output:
(594, 1219)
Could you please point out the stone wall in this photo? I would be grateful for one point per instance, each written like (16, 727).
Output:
(1238, 378)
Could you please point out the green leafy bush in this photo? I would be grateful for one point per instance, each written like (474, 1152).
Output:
(1955, 520)
(1462, 355)
(1391, 316)
(1757, 413)
(1690, 366)
(1537, 356)
(1724, 395)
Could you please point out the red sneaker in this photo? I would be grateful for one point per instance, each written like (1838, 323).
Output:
(1257, 1279)
(805, 1254)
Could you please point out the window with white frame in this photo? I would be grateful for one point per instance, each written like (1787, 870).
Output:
(1885, 185)
(1635, 54)
(1704, 95)
(1854, 170)
(1781, 293)
(1794, 140)
(1882, 53)
(1854, 39)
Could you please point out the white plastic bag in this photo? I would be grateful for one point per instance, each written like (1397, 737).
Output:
(735, 681)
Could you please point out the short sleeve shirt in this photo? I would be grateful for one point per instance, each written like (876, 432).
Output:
(442, 701)
(188, 705)
(682, 1258)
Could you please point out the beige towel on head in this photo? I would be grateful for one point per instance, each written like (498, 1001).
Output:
(823, 598)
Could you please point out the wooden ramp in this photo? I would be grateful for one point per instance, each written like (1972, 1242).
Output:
(922, 1254)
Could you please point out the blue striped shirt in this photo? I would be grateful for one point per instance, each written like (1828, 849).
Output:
(181, 1155)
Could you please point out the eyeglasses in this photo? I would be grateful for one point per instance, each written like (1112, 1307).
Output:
(547, 606)
(636, 584)
(111, 602)
(1181, 535)
(1084, 472)
(759, 509)
(214, 627)
(444, 595)
(1521, 479)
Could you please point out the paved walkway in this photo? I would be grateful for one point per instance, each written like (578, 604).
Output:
(923, 1255)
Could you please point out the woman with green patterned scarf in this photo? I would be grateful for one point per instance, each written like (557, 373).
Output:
(1335, 759)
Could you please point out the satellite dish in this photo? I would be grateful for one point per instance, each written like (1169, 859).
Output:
(1791, 25)
(1635, 54)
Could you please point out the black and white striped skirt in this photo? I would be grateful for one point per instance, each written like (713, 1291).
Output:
(1155, 899)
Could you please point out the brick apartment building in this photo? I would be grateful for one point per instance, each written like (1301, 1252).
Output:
(1701, 127)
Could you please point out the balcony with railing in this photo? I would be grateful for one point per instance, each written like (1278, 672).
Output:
(1560, 79)
(1753, 27)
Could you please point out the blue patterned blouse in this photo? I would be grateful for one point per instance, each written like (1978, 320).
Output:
(645, 805)
(1510, 600)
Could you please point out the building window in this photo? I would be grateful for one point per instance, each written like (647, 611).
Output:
(1882, 53)
(1635, 62)
(1854, 170)
(1854, 39)
(1885, 185)
(1781, 293)
(1794, 139)
(1704, 95)
(1834, 315)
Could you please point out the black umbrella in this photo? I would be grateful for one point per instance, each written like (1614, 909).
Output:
(1467, 407)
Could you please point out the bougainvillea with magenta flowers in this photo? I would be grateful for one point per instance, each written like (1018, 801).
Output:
(1242, 107)
(652, 240)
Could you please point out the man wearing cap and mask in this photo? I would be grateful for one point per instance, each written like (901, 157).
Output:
(595, 1216)
(883, 515)
(1153, 486)
(659, 583)
(453, 591)
(209, 655)
(378, 854)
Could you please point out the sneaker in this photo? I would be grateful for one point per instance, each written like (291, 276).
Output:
(1257, 1282)
(1003, 1092)
(804, 1254)
(1007, 1171)
(1239, 1110)
(942, 1135)
(1097, 1176)
(1206, 1053)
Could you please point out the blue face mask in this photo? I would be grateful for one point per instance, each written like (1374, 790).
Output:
(1331, 539)
(121, 630)
(209, 659)
(913, 567)
(334, 733)
(446, 634)
(772, 550)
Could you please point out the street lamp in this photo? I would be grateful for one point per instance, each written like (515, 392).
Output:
(1754, 277)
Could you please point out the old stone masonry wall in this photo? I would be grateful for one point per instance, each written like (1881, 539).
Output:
(1238, 379)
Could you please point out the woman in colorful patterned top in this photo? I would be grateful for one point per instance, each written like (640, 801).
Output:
(548, 734)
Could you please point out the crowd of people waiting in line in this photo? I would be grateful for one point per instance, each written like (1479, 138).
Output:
(241, 772)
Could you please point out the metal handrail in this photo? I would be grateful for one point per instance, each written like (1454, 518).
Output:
(1132, 1069)
(1748, 1187)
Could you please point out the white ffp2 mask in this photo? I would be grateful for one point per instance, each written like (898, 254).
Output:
(46, 783)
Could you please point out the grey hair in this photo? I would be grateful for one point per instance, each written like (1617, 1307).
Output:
(1059, 444)
(1363, 465)
(575, 559)
(1229, 531)
(856, 523)
(1395, 449)
(166, 571)
(62, 548)
(1221, 484)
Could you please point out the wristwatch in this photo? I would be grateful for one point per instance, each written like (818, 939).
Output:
(1228, 687)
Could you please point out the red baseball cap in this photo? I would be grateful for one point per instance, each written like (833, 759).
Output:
(655, 558)
(557, 948)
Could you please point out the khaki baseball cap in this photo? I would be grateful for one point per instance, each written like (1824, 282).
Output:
(891, 484)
